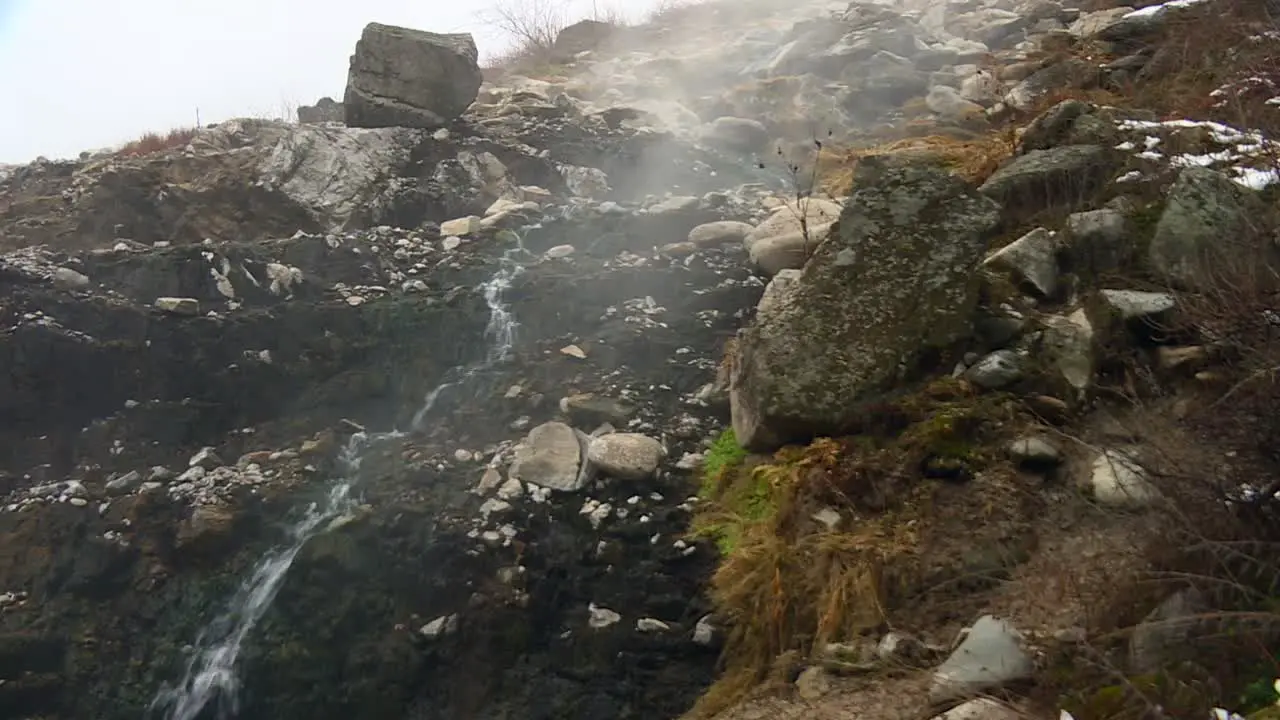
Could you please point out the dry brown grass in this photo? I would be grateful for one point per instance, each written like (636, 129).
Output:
(151, 142)
(920, 489)
(975, 160)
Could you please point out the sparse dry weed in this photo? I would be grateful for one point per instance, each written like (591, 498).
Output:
(151, 142)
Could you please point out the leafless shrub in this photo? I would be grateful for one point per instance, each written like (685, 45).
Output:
(530, 25)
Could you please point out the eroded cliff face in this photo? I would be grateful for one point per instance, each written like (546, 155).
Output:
(455, 382)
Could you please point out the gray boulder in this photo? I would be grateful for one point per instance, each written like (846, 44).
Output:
(410, 78)
(627, 456)
(1063, 176)
(582, 36)
(551, 457)
(896, 280)
(735, 133)
(787, 252)
(990, 657)
(1206, 216)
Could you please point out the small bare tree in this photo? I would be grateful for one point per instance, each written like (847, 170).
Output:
(532, 24)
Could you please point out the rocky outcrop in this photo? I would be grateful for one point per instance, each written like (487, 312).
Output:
(890, 288)
(325, 110)
(410, 78)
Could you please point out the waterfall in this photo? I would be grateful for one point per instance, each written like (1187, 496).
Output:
(210, 672)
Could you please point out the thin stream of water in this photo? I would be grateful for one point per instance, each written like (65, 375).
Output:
(210, 674)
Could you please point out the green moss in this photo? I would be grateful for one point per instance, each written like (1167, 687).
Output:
(1260, 696)
(724, 454)
(741, 498)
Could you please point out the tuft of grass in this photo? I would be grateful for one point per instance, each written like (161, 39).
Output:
(724, 455)
(973, 159)
(788, 584)
(151, 143)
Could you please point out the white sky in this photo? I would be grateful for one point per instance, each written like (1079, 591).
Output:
(85, 74)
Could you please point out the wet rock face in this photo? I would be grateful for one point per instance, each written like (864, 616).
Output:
(300, 333)
(410, 78)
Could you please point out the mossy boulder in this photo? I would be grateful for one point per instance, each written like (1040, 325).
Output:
(890, 288)
(1205, 221)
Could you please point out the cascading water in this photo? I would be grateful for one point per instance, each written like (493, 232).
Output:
(210, 674)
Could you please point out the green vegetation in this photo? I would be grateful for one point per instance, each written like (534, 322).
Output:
(789, 582)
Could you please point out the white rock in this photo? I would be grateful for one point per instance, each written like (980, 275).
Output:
(1032, 260)
(704, 632)
(69, 279)
(178, 306)
(981, 709)
(1118, 480)
(651, 625)
(551, 457)
(629, 456)
(461, 226)
(991, 656)
(439, 627)
(206, 458)
(492, 506)
(511, 489)
(601, 617)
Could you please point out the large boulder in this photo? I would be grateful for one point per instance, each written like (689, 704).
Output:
(410, 78)
(893, 282)
(1206, 217)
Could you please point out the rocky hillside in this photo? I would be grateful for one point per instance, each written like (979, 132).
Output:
(804, 360)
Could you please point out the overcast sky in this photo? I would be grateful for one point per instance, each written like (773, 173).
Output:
(85, 74)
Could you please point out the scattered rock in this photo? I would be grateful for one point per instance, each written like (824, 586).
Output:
(996, 370)
(440, 627)
(1164, 635)
(550, 457)
(189, 307)
(69, 279)
(627, 456)
(1035, 451)
(650, 625)
(813, 683)
(1031, 260)
(981, 709)
(1137, 304)
(588, 410)
(601, 618)
(989, 658)
(718, 233)
(1063, 176)
(738, 134)
(1118, 480)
